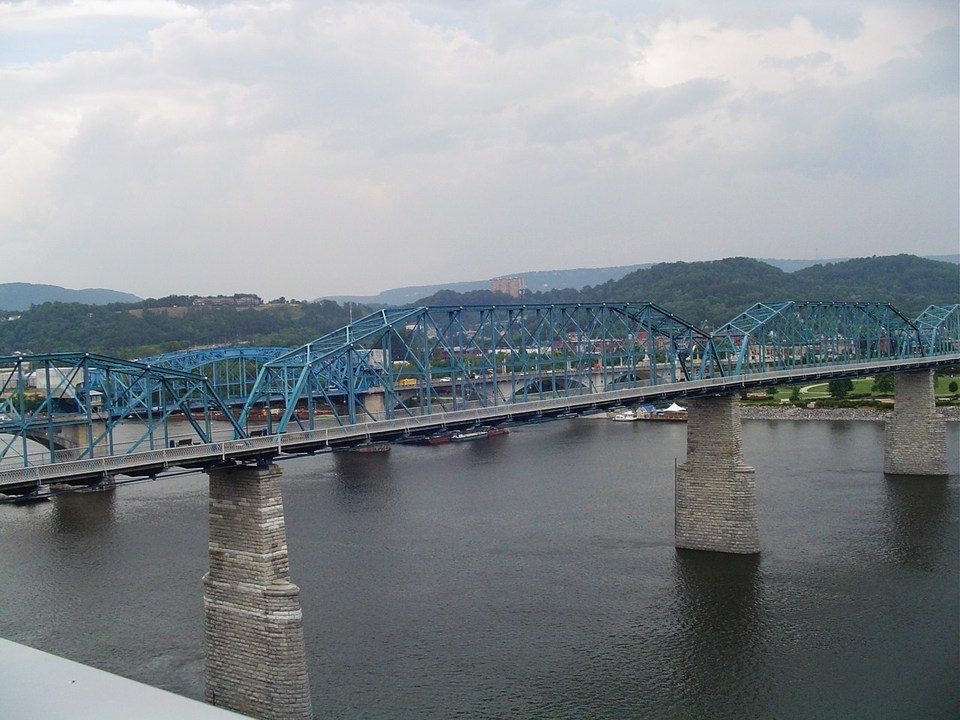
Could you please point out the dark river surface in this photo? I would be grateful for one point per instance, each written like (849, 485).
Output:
(534, 576)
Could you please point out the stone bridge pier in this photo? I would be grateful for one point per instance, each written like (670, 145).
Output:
(255, 658)
(76, 436)
(716, 498)
(916, 436)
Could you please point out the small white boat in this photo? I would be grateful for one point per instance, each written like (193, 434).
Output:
(473, 434)
(626, 416)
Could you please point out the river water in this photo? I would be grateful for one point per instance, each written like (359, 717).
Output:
(534, 576)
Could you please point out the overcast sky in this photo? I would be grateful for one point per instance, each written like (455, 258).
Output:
(317, 148)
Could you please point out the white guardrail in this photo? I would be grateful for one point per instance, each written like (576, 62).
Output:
(294, 442)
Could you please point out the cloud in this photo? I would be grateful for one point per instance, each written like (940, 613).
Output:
(303, 149)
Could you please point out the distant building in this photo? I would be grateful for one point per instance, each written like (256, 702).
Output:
(512, 286)
(238, 300)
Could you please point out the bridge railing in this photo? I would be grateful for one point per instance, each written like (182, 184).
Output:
(206, 454)
(393, 364)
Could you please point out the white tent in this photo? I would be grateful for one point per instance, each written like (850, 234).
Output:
(675, 408)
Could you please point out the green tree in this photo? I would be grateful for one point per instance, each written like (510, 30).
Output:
(839, 388)
(883, 384)
(952, 387)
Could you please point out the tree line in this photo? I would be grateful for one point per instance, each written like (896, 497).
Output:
(145, 329)
(711, 293)
(703, 293)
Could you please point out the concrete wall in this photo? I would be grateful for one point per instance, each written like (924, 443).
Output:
(74, 437)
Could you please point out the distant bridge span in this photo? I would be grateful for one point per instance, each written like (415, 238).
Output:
(380, 377)
(299, 442)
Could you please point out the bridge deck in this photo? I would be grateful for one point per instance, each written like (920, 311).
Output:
(201, 456)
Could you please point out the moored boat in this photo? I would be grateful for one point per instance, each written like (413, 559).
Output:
(365, 447)
(29, 498)
(471, 434)
(478, 433)
(437, 438)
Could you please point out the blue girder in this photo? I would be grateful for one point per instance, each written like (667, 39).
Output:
(232, 370)
(782, 335)
(407, 362)
(428, 359)
(939, 327)
(72, 403)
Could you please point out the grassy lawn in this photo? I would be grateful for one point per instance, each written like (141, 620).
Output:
(942, 386)
(811, 392)
(862, 386)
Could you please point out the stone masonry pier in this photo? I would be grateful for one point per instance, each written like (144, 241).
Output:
(716, 500)
(916, 436)
(255, 658)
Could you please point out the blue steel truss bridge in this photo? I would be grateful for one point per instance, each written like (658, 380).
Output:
(85, 418)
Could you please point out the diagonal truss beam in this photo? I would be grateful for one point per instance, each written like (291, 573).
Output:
(939, 328)
(80, 405)
(409, 362)
(415, 361)
(232, 370)
(783, 335)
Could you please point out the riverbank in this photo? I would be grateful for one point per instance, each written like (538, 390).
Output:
(770, 412)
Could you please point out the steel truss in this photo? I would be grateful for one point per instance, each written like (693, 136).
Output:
(232, 370)
(939, 327)
(416, 361)
(72, 403)
(784, 335)
(410, 362)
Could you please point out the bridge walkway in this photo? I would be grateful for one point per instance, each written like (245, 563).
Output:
(199, 457)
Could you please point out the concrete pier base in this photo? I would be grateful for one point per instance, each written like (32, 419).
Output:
(255, 658)
(71, 440)
(916, 436)
(716, 499)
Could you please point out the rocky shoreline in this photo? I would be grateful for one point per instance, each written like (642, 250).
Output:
(768, 412)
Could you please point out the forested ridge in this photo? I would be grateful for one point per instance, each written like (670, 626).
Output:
(132, 331)
(713, 292)
(707, 293)
(717, 291)
(20, 296)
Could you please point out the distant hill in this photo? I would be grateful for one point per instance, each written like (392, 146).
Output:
(703, 293)
(21, 296)
(15, 297)
(536, 280)
(907, 282)
(794, 265)
(717, 291)
(707, 293)
(710, 293)
(540, 281)
(132, 330)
